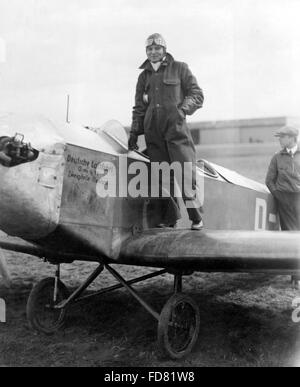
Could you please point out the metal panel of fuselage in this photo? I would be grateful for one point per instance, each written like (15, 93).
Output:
(232, 207)
(31, 196)
(228, 206)
(101, 223)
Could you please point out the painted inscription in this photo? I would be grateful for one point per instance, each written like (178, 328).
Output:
(82, 170)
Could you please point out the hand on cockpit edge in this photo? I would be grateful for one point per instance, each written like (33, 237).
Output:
(132, 142)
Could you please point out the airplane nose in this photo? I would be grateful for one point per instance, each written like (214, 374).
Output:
(31, 176)
(30, 194)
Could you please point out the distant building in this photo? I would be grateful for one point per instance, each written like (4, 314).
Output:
(244, 131)
(256, 130)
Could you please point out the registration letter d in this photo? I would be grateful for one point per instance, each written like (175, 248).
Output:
(2, 311)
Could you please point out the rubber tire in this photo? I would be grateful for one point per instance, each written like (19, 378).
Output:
(34, 300)
(164, 344)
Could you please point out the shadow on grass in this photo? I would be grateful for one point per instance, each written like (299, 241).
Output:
(231, 333)
(115, 330)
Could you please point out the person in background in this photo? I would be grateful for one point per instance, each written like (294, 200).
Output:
(283, 179)
(166, 92)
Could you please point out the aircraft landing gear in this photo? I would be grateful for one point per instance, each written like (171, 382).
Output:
(42, 314)
(178, 326)
(178, 322)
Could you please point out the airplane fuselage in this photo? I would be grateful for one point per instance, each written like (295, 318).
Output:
(54, 200)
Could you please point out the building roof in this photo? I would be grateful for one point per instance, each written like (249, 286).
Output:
(246, 123)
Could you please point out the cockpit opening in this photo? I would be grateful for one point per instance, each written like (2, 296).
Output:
(207, 168)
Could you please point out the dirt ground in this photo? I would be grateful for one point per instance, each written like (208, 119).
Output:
(246, 320)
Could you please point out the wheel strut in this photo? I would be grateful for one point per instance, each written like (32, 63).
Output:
(178, 283)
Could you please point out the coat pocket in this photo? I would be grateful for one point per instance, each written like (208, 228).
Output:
(172, 90)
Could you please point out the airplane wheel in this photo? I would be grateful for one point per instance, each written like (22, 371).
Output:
(178, 326)
(41, 314)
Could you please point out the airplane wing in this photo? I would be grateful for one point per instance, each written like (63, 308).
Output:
(214, 251)
(186, 250)
(18, 245)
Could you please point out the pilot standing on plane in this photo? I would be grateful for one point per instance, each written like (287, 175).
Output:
(166, 92)
(283, 179)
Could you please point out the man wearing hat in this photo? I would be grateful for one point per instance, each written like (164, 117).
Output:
(166, 92)
(283, 179)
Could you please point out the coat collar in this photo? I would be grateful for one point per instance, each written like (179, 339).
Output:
(147, 65)
(285, 152)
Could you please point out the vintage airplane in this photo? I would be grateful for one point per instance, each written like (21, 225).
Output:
(50, 200)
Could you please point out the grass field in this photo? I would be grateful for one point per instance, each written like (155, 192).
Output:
(245, 319)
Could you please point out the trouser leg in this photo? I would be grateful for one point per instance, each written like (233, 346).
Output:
(182, 150)
(289, 210)
(158, 153)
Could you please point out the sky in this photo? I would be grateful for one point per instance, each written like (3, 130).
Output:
(245, 55)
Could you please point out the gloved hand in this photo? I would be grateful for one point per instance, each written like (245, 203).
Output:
(189, 106)
(132, 141)
(182, 113)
